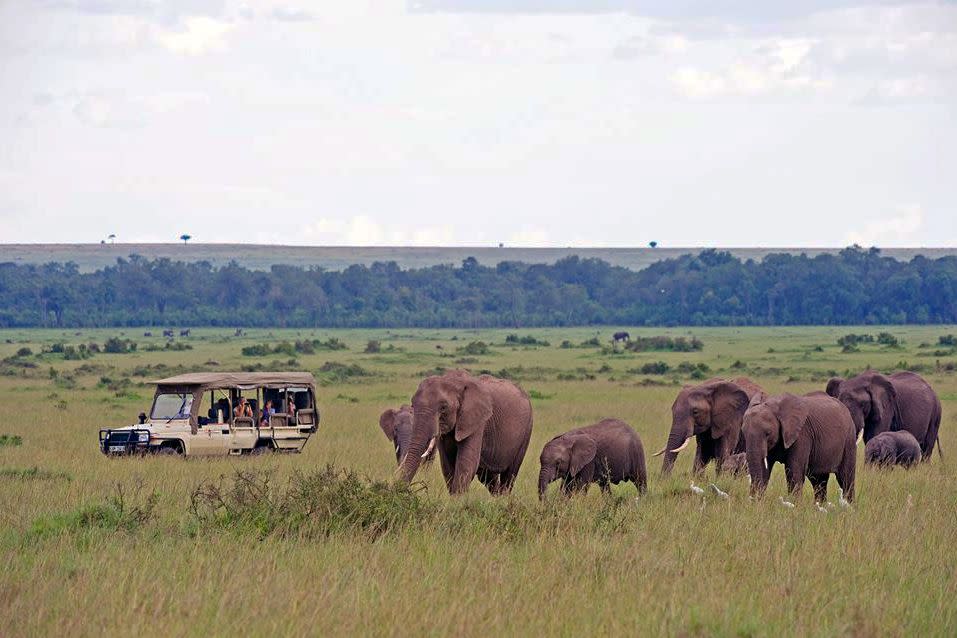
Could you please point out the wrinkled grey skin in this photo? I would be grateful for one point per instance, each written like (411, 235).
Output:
(888, 449)
(737, 464)
(606, 452)
(481, 426)
(711, 412)
(397, 427)
(901, 401)
(813, 436)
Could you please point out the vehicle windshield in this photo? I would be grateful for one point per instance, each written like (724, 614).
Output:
(172, 406)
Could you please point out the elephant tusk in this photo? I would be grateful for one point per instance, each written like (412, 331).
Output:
(429, 449)
(683, 446)
(765, 463)
(660, 452)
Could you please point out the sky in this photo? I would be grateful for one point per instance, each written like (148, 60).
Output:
(475, 122)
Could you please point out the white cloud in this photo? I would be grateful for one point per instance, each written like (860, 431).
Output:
(198, 35)
(363, 230)
(896, 230)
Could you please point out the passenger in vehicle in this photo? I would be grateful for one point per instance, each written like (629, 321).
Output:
(243, 409)
(291, 407)
(267, 412)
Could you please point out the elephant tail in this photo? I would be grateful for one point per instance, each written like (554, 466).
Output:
(940, 452)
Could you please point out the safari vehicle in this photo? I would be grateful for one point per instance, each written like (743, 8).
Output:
(219, 414)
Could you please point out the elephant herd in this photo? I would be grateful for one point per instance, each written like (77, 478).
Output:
(480, 426)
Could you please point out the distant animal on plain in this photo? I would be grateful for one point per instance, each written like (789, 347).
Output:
(147, 334)
(168, 333)
(239, 332)
(606, 452)
(620, 336)
(888, 449)
(184, 333)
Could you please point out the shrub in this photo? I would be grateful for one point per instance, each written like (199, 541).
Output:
(887, 339)
(853, 340)
(257, 350)
(373, 346)
(115, 345)
(661, 343)
(78, 353)
(10, 440)
(24, 352)
(475, 348)
(656, 367)
(121, 512)
(947, 340)
(566, 344)
(335, 372)
(305, 347)
(527, 340)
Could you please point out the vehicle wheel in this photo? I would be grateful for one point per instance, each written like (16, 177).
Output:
(260, 450)
(167, 450)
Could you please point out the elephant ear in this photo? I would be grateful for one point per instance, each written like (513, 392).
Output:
(792, 413)
(475, 409)
(728, 404)
(582, 453)
(883, 401)
(387, 423)
(834, 386)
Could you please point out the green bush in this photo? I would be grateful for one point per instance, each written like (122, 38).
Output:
(887, 339)
(655, 367)
(853, 340)
(115, 345)
(24, 352)
(528, 340)
(475, 348)
(667, 344)
(10, 440)
(947, 340)
(373, 346)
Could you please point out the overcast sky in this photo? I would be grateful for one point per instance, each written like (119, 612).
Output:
(473, 122)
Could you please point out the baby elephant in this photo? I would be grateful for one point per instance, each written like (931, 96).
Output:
(892, 448)
(397, 426)
(813, 436)
(607, 452)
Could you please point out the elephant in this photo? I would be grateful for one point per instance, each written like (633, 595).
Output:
(397, 427)
(736, 464)
(901, 401)
(480, 425)
(609, 451)
(620, 336)
(812, 435)
(888, 449)
(711, 413)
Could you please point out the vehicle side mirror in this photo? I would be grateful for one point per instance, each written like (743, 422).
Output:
(142, 418)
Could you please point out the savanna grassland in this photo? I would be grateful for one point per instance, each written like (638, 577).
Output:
(138, 546)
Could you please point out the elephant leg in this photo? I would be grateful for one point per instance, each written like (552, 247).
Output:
(467, 459)
(795, 478)
(605, 487)
(697, 467)
(819, 483)
(490, 480)
(447, 455)
(846, 472)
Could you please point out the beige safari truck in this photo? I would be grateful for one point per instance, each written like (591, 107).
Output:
(222, 413)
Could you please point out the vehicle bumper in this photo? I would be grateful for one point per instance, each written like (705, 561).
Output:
(124, 442)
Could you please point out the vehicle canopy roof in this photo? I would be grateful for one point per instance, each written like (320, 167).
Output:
(239, 380)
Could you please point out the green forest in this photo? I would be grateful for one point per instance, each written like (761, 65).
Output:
(713, 288)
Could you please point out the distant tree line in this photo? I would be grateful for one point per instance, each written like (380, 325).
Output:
(713, 288)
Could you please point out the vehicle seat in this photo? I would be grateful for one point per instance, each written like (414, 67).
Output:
(306, 417)
(243, 422)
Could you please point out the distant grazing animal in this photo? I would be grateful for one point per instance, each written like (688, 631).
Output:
(711, 413)
(901, 401)
(888, 449)
(184, 333)
(606, 452)
(481, 427)
(397, 426)
(620, 336)
(147, 334)
(812, 435)
(239, 332)
(168, 333)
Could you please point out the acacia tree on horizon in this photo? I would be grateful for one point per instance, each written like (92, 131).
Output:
(185, 238)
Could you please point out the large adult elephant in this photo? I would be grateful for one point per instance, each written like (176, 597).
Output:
(711, 413)
(480, 425)
(901, 401)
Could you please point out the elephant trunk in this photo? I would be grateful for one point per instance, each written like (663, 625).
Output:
(544, 478)
(757, 455)
(425, 427)
(857, 415)
(681, 431)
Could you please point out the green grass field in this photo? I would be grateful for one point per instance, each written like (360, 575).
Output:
(79, 562)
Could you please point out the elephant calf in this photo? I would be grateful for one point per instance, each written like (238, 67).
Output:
(397, 426)
(812, 435)
(892, 448)
(607, 452)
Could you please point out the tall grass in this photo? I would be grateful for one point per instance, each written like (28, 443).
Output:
(326, 543)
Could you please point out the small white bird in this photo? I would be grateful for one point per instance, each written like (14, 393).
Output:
(821, 508)
(830, 505)
(717, 490)
(697, 490)
(785, 503)
(840, 498)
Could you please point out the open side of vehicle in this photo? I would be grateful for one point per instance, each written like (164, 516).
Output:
(216, 414)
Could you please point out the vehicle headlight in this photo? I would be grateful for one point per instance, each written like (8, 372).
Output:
(144, 437)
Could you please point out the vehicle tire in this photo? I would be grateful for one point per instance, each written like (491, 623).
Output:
(260, 450)
(168, 450)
